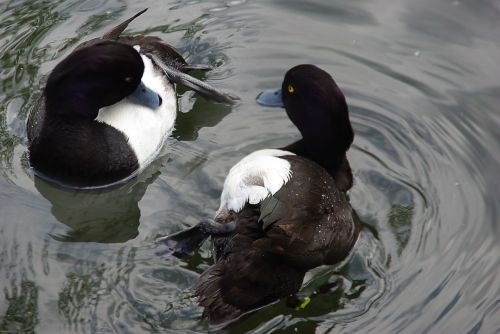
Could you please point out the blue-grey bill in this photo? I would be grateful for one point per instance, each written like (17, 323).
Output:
(145, 97)
(270, 98)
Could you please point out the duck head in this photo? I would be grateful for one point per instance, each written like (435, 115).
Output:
(317, 107)
(94, 77)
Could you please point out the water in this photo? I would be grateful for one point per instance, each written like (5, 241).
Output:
(422, 82)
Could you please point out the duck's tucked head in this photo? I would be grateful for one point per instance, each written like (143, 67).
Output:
(91, 78)
(316, 105)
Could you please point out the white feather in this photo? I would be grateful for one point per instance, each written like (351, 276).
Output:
(255, 177)
(145, 128)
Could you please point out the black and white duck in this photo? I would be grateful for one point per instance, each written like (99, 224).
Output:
(108, 108)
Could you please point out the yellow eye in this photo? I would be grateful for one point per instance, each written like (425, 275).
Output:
(291, 89)
(128, 79)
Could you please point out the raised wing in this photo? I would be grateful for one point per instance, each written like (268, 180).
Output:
(257, 176)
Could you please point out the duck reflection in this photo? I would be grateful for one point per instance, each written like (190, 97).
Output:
(105, 215)
(203, 114)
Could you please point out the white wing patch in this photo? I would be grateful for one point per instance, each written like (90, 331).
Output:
(146, 129)
(255, 177)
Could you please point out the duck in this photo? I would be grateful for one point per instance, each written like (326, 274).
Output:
(282, 211)
(108, 108)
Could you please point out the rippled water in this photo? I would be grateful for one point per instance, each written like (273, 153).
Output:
(422, 79)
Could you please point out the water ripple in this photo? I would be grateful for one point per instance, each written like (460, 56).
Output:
(422, 84)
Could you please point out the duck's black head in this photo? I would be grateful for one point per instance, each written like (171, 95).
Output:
(91, 78)
(318, 108)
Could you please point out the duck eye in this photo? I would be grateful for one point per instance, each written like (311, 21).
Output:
(128, 79)
(291, 89)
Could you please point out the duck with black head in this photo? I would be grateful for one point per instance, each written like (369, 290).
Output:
(108, 108)
(283, 211)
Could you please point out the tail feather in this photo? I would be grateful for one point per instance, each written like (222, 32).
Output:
(115, 32)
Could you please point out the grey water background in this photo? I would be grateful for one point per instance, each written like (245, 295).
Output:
(422, 79)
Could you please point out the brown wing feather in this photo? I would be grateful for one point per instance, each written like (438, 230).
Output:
(243, 279)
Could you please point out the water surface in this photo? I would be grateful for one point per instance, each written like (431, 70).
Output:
(422, 83)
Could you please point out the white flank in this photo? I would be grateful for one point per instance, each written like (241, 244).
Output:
(145, 128)
(255, 177)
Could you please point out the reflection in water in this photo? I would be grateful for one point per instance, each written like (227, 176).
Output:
(22, 29)
(340, 10)
(107, 215)
(86, 290)
(400, 222)
(21, 315)
(444, 20)
(125, 290)
(203, 113)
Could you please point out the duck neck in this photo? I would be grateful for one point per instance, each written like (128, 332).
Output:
(328, 159)
(329, 153)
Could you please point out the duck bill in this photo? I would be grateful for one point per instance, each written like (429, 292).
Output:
(145, 96)
(271, 98)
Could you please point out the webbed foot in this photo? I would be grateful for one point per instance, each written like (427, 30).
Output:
(185, 242)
